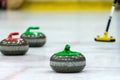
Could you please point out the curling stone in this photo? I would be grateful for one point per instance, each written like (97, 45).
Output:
(67, 61)
(35, 39)
(13, 46)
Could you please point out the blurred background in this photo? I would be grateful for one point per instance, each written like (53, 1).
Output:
(50, 5)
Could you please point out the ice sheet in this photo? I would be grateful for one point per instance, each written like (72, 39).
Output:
(75, 28)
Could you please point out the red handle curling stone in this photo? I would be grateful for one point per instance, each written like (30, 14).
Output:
(14, 46)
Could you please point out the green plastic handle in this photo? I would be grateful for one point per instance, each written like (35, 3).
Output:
(67, 52)
(31, 28)
(67, 48)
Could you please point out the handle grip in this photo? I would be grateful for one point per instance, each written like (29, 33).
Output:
(11, 34)
(67, 48)
(32, 28)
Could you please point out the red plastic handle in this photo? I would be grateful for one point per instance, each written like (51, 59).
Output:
(11, 34)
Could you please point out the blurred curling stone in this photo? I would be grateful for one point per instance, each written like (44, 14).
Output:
(35, 39)
(13, 46)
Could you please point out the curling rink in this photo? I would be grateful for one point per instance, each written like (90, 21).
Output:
(75, 28)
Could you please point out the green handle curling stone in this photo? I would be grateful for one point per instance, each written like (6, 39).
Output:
(67, 61)
(35, 39)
